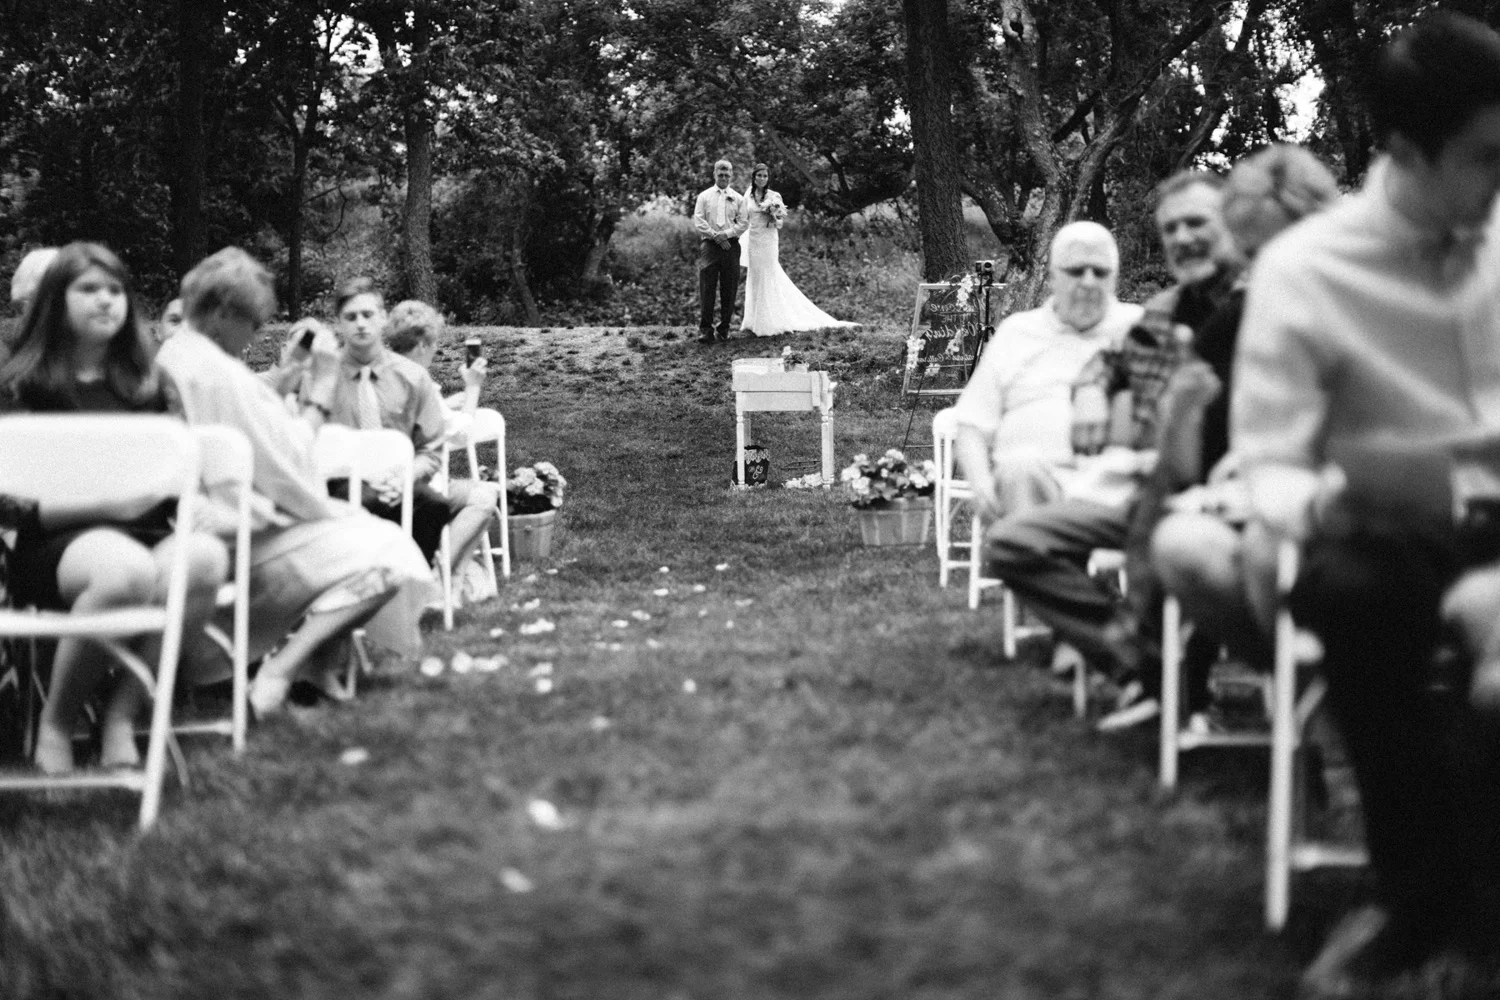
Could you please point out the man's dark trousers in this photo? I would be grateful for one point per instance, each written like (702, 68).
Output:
(718, 269)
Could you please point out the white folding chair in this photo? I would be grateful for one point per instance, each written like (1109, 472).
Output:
(345, 453)
(1288, 848)
(949, 493)
(1177, 739)
(486, 425)
(72, 457)
(228, 462)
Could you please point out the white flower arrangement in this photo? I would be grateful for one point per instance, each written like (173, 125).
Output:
(535, 488)
(882, 481)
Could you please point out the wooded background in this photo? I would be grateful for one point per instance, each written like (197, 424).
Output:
(503, 141)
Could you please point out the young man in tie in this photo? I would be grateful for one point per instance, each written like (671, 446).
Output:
(379, 388)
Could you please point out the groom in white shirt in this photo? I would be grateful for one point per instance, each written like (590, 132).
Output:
(719, 217)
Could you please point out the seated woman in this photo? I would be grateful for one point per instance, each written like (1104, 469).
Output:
(83, 349)
(318, 567)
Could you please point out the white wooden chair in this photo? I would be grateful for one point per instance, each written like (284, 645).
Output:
(51, 458)
(1288, 848)
(949, 494)
(1177, 739)
(345, 453)
(228, 462)
(485, 426)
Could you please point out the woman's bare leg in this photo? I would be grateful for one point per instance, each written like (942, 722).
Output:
(269, 689)
(208, 567)
(102, 569)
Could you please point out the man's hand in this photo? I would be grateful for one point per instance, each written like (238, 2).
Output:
(1090, 420)
(389, 488)
(474, 373)
(1291, 501)
(987, 498)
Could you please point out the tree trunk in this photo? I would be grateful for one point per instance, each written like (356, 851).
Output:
(520, 200)
(189, 235)
(294, 234)
(595, 281)
(421, 283)
(929, 98)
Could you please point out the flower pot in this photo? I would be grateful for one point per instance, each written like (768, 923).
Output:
(904, 522)
(531, 534)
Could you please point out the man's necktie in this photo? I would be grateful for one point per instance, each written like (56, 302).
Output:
(723, 201)
(367, 404)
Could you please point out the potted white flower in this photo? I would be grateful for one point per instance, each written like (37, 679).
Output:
(532, 496)
(892, 498)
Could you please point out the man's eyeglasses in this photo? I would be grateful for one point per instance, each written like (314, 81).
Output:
(1078, 272)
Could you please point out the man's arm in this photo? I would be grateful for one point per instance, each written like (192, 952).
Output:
(700, 217)
(1279, 408)
(971, 447)
(427, 428)
(741, 220)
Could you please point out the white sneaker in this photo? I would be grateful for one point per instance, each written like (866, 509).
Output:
(1066, 660)
(1133, 714)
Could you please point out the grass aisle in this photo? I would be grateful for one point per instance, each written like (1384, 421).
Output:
(808, 774)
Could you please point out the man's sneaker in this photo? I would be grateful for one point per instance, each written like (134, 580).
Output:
(1066, 660)
(1133, 709)
(1367, 948)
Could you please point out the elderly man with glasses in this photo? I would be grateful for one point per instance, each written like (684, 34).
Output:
(1015, 416)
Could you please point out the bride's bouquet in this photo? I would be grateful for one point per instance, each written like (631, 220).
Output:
(774, 207)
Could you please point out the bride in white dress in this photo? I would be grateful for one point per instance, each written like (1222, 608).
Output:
(772, 303)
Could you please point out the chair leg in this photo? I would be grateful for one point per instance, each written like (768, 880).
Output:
(1081, 689)
(976, 564)
(1283, 754)
(445, 574)
(1007, 618)
(1171, 690)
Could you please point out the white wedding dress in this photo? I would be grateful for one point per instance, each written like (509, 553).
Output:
(772, 303)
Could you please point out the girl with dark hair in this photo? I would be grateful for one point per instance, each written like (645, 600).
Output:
(82, 348)
(773, 304)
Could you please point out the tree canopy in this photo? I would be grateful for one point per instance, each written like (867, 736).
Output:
(503, 141)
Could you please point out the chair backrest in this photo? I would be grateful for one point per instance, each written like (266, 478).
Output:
(73, 456)
(944, 431)
(488, 425)
(356, 455)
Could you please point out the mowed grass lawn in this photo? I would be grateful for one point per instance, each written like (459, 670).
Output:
(809, 773)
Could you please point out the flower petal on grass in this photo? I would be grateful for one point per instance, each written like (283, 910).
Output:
(641, 616)
(744, 602)
(599, 723)
(530, 578)
(432, 666)
(461, 663)
(661, 591)
(489, 664)
(544, 685)
(690, 686)
(514, 881)
(620, 623)
(532, 604)
(544, 814)
(653, 644)
(496, 633)
(538, 627)
(699, 588)
(543, 669)
(729, 624)
(551, 572)
(354, 756)
(721, 567)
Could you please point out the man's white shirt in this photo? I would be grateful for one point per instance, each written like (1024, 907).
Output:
(720, 211)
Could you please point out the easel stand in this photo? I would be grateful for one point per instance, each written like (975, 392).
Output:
(760, 387)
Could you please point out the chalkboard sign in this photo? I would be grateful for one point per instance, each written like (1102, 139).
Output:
(947, 332)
